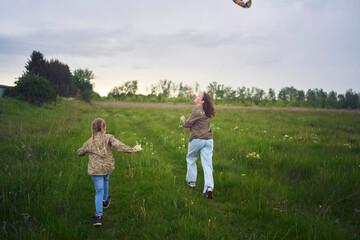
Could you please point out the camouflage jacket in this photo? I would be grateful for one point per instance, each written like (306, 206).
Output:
(101, 162)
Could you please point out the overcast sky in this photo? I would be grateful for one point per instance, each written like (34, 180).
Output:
(306, 44)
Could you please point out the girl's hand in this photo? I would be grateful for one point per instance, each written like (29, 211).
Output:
(182, 118)
(136, 148)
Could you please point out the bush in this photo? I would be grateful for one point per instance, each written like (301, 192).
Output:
(34, 89)
(95, 96)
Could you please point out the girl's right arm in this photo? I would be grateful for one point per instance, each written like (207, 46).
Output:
(83, 150)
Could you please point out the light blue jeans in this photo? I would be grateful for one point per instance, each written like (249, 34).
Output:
(205, 147)
(101, 183)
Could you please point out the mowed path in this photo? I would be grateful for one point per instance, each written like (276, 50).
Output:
(171, 105)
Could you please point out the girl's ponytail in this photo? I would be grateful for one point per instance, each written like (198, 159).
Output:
(98, 125)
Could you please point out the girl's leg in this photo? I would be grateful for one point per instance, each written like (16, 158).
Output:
(106, 186)
(193, 150)
(99, 193)
(206, 161)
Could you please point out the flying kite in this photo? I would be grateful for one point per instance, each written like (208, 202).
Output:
(242, 4)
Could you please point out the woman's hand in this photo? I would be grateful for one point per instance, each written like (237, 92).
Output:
(136, 148)
(182, 118)
(191, 91)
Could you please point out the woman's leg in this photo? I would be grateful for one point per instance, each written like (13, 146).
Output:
(193, 151)
(106, 186)
(99, 193)
(206, 161)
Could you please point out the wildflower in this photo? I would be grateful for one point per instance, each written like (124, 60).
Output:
(253, 155)
(236, 127)
(26, 215)
(243, 174)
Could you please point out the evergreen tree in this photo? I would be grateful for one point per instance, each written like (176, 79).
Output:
(36, 64)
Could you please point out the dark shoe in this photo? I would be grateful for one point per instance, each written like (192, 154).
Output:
(209, 193)
(107, 202)
(192, 184)
(97, 221)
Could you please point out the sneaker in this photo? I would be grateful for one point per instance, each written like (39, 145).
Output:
(192, 184)
(97, 221)
(106, 202)
(209, 193)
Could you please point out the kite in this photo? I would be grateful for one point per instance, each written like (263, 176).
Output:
(242, 4)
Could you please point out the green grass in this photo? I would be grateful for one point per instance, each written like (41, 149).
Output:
(304, 184)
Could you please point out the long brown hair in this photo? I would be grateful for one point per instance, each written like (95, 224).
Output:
(98, 125)
(208, 106)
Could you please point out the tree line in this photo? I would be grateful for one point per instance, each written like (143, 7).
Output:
(45, 80)
(168, 91)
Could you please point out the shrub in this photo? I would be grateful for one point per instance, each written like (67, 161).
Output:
(34, 89)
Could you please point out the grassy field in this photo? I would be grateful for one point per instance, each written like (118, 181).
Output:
(278, 175)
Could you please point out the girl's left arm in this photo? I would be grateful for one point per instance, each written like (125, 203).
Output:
(119, 146)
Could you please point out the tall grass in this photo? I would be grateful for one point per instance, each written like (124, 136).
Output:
(278, 175)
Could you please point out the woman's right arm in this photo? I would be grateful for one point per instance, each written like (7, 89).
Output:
(194, 115)
(192, 94)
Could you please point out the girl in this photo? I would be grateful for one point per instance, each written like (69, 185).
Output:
(200, 140)
(102, 163)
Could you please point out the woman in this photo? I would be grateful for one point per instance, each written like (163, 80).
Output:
(200, 140)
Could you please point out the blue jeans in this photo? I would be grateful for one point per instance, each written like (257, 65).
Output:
(101, 183)
(205, 147)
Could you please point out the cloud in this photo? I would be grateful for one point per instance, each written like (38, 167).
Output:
(84, 42)
(303, 43)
